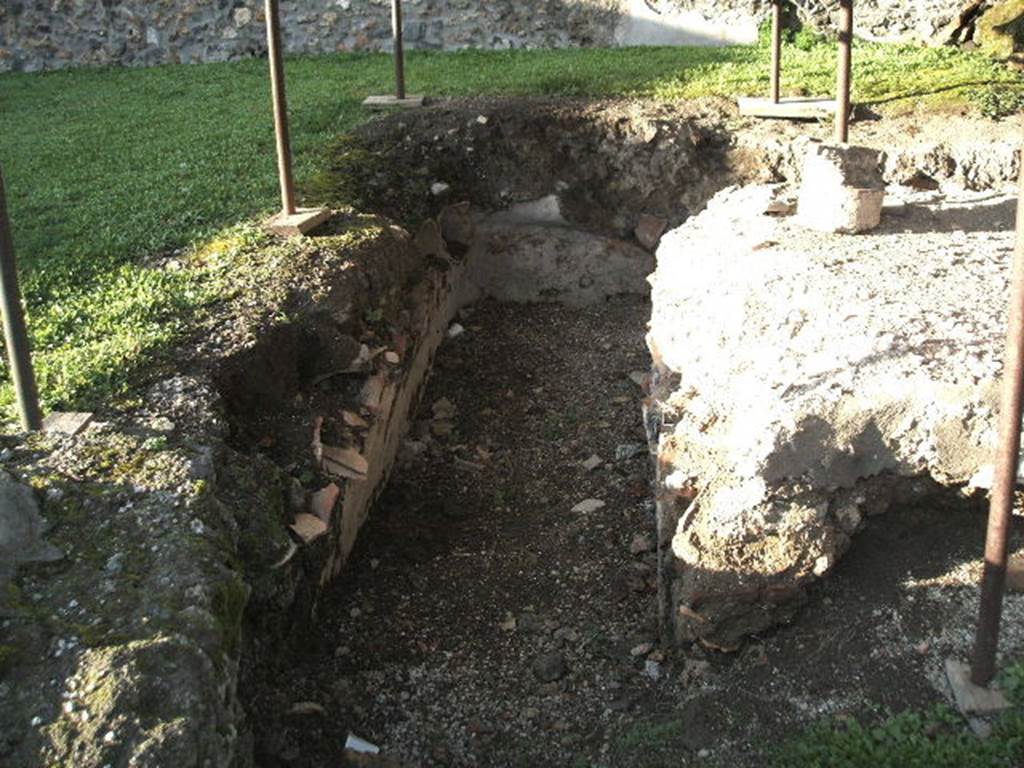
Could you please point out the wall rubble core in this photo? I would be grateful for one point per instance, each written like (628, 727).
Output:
(52, 34)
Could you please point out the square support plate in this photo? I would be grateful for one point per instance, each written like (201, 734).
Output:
(69, 424)
(814, 108)
(972, 699)
(298, 223)
(384, 102)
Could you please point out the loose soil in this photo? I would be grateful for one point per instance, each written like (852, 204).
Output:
(483, 622)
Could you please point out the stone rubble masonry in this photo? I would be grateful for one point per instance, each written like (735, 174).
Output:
(804, 380)
(526, 261)
(960, 158)
(21, 529)
(841, 189)
(52, 34)
(929, 21)
(172, 524)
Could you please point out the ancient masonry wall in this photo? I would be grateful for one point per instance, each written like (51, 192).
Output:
(52, 34)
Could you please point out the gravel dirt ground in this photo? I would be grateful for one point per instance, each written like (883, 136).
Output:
(496, 614)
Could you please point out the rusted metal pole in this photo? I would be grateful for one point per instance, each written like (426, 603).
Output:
(843, 77)
(284, 145)
(18, 354)
(776, 49)
(993, 579)
(399, 44)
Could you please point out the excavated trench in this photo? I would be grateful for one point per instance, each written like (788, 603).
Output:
(403, 485)
(514, 539)
(475, 550)
(475, 594)
(485, 590)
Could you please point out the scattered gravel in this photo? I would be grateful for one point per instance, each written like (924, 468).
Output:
(482, 622)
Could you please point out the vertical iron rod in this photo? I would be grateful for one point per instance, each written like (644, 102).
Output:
(284, 146)
(993, 579)
(843, 76)
(776, 49)
(14, 326)
(399, 44)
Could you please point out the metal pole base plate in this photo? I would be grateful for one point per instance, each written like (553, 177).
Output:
(68, 424)
(818, 108)
(972, 699)
(299, 223)
(384, 102)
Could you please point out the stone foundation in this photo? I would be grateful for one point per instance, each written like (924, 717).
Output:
(805, 380)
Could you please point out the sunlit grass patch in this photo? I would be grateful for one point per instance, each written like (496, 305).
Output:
(112, 171)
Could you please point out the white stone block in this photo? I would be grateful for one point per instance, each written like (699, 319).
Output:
(841, 189)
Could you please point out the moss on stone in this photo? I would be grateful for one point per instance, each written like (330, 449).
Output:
(254, 491)
(229, 602)
(9, 656)
(259, 276)
(1000, 31)
(11, 599)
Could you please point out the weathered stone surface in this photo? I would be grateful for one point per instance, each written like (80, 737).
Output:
(841, 189)
(1000, 31)
(51, 34)
(801, 379)
(649, 230)
(21, 529)
(524, 262)
(960, 157)
(136, 630)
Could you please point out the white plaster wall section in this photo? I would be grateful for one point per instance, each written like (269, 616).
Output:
(542, 211)
(657, 22)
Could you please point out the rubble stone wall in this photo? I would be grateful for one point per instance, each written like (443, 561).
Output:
(52, 34)
(804, 381)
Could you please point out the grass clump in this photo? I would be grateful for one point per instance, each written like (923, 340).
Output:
(892, 78)
(936, 738)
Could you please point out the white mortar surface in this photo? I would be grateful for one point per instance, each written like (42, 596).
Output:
(791, 366)
(524, 262)
(659, 22)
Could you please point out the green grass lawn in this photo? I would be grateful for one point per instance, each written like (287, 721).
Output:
(107, 169)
